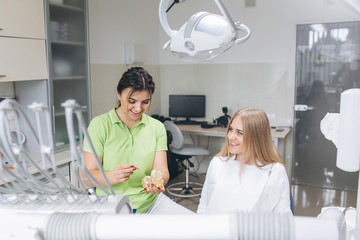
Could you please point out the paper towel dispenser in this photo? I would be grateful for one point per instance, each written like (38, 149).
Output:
(133, 53)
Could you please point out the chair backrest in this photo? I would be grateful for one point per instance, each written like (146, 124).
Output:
(177, 136)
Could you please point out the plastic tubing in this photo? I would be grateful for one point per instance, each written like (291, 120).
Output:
(217, 226)
(71, 226)
(93, 225)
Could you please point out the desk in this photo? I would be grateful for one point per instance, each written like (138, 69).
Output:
(278, 135)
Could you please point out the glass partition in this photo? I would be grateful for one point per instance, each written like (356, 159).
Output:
(327, 63)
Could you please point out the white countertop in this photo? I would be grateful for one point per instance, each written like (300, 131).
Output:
(221, 131)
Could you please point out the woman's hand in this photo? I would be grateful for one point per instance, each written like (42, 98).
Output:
(121, 173)
(154, 189)
(154, 183)
(157, 190)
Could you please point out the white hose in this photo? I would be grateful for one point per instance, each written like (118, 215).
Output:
(63, 226)
(93, 225)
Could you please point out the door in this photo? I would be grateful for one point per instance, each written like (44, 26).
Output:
(327, 63)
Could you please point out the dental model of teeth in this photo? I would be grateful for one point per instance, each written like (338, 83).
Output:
(156, 179)
(146, 183)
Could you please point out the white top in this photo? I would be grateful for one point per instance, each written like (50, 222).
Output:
(256, 189)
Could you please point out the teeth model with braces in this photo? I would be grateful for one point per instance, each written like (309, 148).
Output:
(156, 179)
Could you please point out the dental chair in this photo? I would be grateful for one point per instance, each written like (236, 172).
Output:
(183, 152)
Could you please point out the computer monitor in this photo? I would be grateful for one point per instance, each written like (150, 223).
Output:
(187, 106)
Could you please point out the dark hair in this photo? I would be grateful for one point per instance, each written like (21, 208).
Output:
(138, 79)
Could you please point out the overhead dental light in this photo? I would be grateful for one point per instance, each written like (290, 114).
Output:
(204, 36)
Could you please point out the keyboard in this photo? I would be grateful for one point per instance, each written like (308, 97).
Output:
(191, 122)
(207, 125)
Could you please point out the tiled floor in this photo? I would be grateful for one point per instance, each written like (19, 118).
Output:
(308, 201)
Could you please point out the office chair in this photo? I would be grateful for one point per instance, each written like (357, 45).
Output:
(183, 152)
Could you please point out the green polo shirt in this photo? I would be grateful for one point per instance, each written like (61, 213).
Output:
(117, 145)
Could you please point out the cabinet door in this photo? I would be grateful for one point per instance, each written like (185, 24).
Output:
(68, 61)
(22, 18)
(22, 59)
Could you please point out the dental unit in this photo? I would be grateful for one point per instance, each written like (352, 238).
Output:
(38, 202)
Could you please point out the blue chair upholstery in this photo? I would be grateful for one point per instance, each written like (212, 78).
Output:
(291, 203)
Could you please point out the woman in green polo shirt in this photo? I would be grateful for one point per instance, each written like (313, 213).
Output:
(130, 144)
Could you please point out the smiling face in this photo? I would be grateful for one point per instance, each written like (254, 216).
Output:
(133, 105)
(235, 137)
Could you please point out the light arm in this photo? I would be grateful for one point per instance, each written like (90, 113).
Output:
(163, 18)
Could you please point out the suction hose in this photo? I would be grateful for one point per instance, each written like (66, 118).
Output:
(200, 226)
(241, 225)
(234, 226)
(71, 226)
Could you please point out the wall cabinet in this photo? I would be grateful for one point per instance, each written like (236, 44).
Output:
(22, 40)
(68, 60)
(46, 41)
(22, 59)
(22, 18)
(23, 53)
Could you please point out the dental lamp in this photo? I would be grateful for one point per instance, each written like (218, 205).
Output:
(204, 36)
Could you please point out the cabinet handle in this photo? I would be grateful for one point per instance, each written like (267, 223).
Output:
(1, 76)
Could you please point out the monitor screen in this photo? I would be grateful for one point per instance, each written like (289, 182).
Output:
(187, 106)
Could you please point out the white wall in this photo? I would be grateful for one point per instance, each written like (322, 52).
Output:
(272, 23)
(271, 45)
(258, 73)
(112, 23)
(265, 74)
(259, 85)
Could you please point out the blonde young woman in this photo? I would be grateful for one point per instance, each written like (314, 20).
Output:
(248, 173)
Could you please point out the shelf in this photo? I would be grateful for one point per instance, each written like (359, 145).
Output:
(59, 6)
(62, 113)
(67, 23)
(67, 43)
(69, 78)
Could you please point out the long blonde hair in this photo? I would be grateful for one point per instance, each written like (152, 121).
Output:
(257, 140)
